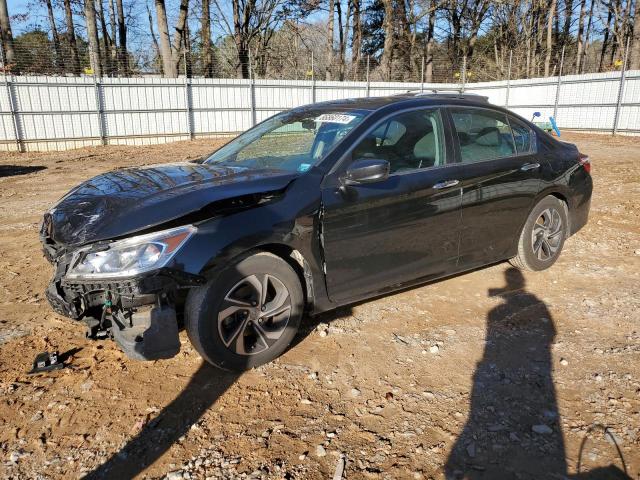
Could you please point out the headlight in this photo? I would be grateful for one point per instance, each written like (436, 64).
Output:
(134, 255)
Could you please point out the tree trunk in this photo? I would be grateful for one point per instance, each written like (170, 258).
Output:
(634, 55)
(389, 40)
(579, 39)
(7, 36)
(156, 47)
(114, 33)
(240, 35)
(92, 33)
(403, 41)
(107, 44)
(56, 38)
(205, 34)
(71, 38)
(356, 39)
(429, 42)
(568, 16)
(586, 38)
(168, 67)
(180, 35)
(123, 56)
(605, 41)
(547, 60)
(330, 36)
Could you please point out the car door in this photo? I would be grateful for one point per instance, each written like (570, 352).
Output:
(500, 180)
(406, 226)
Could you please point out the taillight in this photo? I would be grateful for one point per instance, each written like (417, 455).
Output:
(585, 162)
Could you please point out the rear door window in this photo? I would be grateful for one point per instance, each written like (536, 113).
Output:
(482, 134)
(522, 135)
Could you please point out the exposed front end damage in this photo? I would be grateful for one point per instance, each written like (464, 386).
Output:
(127, 246)
(139, 313)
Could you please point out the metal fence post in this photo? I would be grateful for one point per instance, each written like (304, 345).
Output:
(368, 84)
(464, 73)
(313, 80)
(422, 76)
(188, 99)
(97, 86)
(15, 121)
(252, 92)
(616, 118)
(508, 80)
(555, 106)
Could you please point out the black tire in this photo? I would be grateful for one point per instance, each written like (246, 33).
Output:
(211, 332)
(542, 253)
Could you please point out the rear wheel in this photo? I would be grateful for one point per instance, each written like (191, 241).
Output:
(542, 236)
(247, 314)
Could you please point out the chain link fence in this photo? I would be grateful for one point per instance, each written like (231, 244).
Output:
(290, 56)
(46, 104)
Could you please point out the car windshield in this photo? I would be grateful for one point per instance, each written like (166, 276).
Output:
(292, 141)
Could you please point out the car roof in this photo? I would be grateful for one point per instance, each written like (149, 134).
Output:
(406, 100)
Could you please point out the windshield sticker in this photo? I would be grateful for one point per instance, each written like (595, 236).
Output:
(335, 118)
(303, 167)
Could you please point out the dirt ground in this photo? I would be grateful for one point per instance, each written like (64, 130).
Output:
(491, 374)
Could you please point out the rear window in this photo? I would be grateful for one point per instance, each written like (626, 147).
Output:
(522, 135)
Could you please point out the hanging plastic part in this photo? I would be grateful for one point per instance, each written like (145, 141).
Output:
(45, 362)
(97, 329)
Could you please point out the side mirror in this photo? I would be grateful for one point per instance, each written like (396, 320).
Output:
(366, 171)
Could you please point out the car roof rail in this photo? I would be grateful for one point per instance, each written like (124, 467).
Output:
(453, 95)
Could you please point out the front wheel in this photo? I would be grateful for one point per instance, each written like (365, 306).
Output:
(246, 315)
(542, 236)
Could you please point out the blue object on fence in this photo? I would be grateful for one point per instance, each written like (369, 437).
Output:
(554, 125)
(535, 115)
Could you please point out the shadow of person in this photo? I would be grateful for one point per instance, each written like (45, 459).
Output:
(513, 428)
(156, 437)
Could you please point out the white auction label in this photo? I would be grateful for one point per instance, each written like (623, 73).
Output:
(335, 118)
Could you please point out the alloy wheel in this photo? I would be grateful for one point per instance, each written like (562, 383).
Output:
(546, 236)
(254, 314)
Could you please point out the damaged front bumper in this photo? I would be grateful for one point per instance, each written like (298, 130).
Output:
(139, 313)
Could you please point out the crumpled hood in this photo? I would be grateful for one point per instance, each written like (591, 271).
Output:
(125, 201)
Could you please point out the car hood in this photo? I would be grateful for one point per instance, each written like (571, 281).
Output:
(121, 202)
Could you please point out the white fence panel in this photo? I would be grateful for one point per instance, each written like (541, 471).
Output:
(47, 113)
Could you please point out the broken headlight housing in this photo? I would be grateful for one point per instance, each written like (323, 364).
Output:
(131, 256)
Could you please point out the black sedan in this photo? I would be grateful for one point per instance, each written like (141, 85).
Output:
(314, 208)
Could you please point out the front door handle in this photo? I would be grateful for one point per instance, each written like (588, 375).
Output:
(446, 184)
(529, 166)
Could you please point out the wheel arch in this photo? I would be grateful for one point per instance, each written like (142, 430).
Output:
(565, 203)
(289, 254)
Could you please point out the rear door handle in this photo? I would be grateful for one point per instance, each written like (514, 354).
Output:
(446, 184)
(529, 166)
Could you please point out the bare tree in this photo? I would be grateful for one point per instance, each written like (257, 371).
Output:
(7, 36)
(168, 67)
(154, 40)
(114, 33)
(330, 40)
(429, 41)
(54, 34)
(550, 16)
(205, 33)
(587, 37)
(123, 56)
(580, 37)
(107, 43)
(92, 33)
(71, 38)
(356, 36)
(389, 40)
(634, 55)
